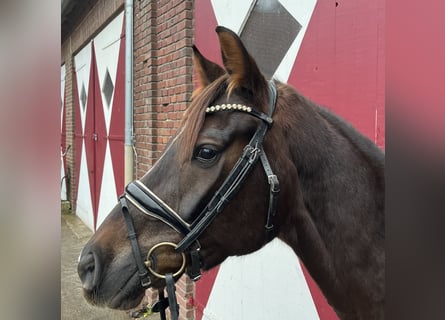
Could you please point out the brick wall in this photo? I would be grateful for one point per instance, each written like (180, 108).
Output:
(69, 123)
(163, 36)
(69, 120)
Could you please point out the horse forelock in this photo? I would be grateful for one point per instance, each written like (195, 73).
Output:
(194, 116)
(202, 98)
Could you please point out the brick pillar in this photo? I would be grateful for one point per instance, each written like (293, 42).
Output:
(163, 36)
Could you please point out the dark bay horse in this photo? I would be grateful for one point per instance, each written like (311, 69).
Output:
(214, 193)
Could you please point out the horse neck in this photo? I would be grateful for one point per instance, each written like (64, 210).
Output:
(338, 174)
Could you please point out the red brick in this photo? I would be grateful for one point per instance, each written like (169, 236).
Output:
(163, 36)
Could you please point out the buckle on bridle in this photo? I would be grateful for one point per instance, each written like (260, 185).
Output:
(148, 263)
(274, 184)
(145, 280)
(252, 152)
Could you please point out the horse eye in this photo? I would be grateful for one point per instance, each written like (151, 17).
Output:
(206, 154)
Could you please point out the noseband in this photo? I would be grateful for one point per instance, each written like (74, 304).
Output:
(148, 203)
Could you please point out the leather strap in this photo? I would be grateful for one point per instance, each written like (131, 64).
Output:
(162, 304)
(147, 202)
(273, 195)
(195, 271)
(172, 302)
(227, 190)
(155, 207)
(142, 269)
(236, 177)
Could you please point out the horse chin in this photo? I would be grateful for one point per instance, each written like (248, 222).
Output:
(126, 301)
(123, 297)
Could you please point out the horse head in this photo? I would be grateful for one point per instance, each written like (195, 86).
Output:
(185, 197)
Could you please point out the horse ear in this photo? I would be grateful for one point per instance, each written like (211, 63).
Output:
(241, 67)
(208, 71)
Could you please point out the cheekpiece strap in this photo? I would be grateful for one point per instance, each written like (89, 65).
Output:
(142, 270)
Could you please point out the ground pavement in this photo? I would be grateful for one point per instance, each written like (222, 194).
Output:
(73, 306)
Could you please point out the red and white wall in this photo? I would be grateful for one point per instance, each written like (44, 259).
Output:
(99, 69)
(336, 60)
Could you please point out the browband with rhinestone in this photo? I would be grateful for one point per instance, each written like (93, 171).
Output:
(228, 107)
(240, 107)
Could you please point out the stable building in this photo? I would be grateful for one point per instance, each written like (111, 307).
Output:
(127, 77)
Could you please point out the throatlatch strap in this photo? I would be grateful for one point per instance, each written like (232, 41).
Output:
(274, 190)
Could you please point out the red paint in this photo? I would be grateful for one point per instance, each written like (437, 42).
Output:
(203, 288)
(117, 122)
(340, 64)
(89, 132)
(206, 39)
(324, 310)
(100, 129)
(95, 136)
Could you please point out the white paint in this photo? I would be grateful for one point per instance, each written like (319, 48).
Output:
(82, 63)
(84, 207)
(106, 48)
(232, 13)
(268, 284)
(108, 194)
(302, 11)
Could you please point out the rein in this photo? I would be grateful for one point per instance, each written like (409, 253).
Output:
(148, 203)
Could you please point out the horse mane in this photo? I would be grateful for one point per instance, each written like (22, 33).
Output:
(294, 107)
(193, 119)
(363, 144)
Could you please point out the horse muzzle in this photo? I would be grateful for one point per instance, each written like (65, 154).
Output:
(88, 269)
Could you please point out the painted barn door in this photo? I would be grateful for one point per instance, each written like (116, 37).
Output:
(99, 133)
(332, 52)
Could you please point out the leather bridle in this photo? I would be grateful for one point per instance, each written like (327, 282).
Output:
(148, 203)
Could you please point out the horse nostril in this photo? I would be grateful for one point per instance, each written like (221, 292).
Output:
(88, 270)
